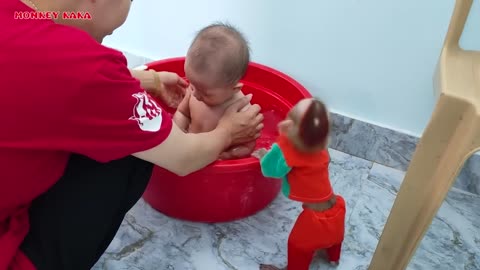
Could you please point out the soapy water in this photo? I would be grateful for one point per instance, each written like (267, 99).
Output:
(270, 130)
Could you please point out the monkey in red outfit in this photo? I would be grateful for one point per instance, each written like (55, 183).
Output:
(300, 158)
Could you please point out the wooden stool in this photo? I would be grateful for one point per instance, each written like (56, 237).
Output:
(450, 138)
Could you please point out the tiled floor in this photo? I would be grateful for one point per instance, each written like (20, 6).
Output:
(149, 240)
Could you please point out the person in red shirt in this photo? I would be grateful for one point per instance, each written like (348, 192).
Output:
(80, 135)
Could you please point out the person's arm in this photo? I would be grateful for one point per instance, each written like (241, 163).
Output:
(183, 153)
(273, 163)
(182, 114)
(146, 78)
(167, 86)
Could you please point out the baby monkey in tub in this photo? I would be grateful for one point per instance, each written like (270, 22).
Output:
(215, 62)
(300, 158)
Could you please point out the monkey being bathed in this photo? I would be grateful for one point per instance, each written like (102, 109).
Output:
(300, 158)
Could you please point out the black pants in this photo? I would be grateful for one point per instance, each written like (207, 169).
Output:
(73, 223)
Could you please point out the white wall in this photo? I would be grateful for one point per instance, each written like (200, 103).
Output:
(372, 60)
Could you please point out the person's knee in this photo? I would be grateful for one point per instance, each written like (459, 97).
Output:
(141, 174)
(73, 222)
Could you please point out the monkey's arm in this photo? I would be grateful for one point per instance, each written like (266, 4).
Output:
(273, 163)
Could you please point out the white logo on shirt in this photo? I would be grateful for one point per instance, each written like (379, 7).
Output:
(146, 112)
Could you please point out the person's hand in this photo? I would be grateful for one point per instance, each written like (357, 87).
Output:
(170, 89)
(243, 125)
(238, 151)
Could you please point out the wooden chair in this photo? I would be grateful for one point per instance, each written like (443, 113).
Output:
(450, 138)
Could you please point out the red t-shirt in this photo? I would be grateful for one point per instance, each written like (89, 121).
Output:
(61, 92)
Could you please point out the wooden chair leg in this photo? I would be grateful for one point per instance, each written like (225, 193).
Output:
(439, 156)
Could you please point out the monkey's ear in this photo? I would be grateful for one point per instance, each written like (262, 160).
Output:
(285, 126)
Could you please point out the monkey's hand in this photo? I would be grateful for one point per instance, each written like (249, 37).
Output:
(259, 153)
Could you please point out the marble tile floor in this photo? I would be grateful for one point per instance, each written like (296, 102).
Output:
(148, 240)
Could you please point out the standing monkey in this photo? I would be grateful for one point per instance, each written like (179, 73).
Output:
(300, 158)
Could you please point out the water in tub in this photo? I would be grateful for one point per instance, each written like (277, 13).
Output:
(270, 130)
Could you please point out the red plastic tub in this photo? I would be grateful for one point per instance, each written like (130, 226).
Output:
(233, 189)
